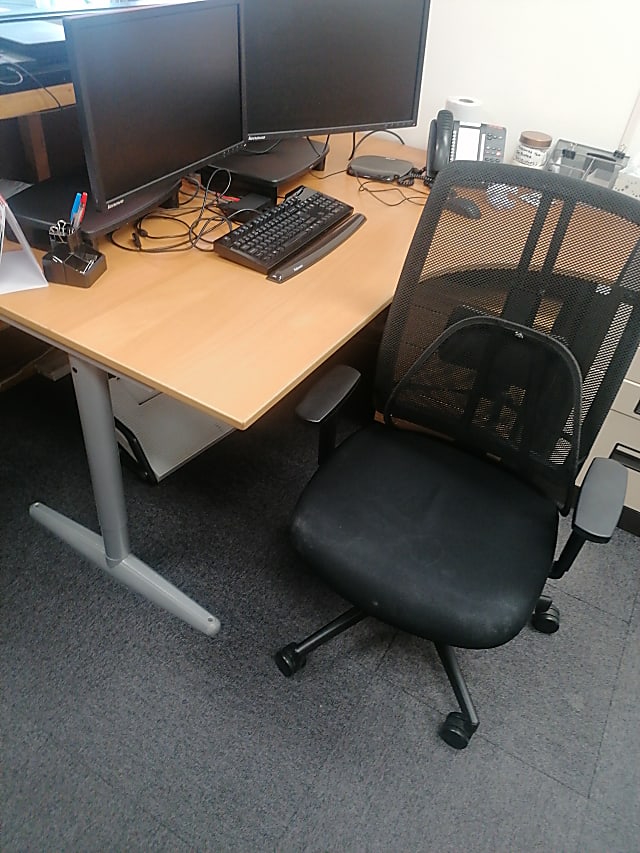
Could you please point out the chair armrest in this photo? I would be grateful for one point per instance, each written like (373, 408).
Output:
(601, 500)
(322, 404)
(328, 394)
(597, 511)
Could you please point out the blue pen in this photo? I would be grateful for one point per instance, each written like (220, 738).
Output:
(76, 205)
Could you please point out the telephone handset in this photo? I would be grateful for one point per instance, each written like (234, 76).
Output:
(450, 139)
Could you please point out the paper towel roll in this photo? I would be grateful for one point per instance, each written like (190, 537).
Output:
(464, 108)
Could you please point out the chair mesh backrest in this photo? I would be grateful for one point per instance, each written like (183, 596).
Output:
(558, 256)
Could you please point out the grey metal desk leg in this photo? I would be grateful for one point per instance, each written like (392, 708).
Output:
(111, 551)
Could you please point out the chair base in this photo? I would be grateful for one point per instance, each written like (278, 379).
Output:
(289, 660)
(458, 727)
(546, 616)
(293, 656)
(456, 730)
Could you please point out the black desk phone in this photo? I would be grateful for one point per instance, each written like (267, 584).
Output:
(450, 139)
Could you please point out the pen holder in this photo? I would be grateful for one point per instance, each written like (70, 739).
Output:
(72, 260)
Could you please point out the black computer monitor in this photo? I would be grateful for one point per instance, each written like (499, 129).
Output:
(330, 66)
(158, 93)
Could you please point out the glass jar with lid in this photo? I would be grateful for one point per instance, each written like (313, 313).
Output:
(533, 149)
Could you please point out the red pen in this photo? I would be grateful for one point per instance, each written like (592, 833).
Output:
(83, 207)
(77, 219)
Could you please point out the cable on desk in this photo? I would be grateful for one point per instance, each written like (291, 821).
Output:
(198, 233)
(355, 145)
(197, 189)
(204, 224)
(208, 219)
(325, 147)
(24, 72)
(186, 240)
(139, 233)
(417, 197)
(259, 153)
(9, 84)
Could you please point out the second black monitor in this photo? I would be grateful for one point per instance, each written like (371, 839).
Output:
(332, 66)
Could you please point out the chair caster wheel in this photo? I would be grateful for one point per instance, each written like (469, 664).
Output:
(288, 660)
(456, 730)
(546, 621)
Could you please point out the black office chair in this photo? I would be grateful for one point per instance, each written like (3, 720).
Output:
(510, 332)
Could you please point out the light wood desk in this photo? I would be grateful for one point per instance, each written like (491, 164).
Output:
(29, 101)
(213, 335)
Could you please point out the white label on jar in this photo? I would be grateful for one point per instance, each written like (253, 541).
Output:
(535, 158)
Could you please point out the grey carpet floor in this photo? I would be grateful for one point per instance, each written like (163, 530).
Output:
(123, 729)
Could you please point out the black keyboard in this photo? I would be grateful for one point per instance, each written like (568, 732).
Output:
(291, 227)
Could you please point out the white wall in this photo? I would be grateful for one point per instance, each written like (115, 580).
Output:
(570, 68)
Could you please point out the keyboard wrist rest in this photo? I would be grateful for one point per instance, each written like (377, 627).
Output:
(318, 249)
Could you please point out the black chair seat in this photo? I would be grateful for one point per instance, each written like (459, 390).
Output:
(435, 541)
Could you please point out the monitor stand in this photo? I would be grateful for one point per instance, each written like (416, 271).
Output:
(261, 167)
(42, 205)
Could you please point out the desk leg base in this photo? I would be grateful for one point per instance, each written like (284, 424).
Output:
(130, 571)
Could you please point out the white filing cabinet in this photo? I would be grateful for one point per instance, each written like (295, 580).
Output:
(620, 433)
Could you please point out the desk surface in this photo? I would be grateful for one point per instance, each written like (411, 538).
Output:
(17, 104)
(220, 337)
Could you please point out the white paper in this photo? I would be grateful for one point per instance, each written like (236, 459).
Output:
(19, 268)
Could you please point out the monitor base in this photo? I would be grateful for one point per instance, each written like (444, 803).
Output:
(40, 206)
(261, 167)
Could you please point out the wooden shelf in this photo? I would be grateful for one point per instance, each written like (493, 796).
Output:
(17, 104)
